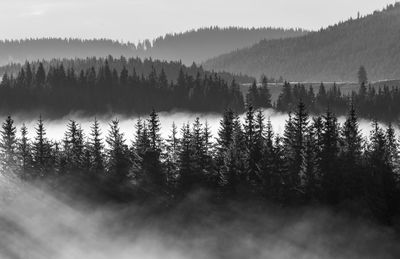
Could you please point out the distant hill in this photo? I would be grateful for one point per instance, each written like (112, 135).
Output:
(196, 45)
(202, 44)
(331, 54)
(19, 51)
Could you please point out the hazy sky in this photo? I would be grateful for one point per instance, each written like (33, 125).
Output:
(132, 20)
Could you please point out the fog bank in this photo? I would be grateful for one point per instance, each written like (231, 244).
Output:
(36, 224)
(57, 128)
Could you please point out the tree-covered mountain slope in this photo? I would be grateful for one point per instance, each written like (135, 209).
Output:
(331, 54)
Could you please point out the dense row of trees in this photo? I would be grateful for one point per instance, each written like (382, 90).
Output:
(315, 161)
(371, 102)
(58, 90)
(141, 66)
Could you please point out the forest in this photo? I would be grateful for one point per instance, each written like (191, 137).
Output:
(190, 46)
(96, 86)
(331, 54)
(316, 162)
(372, 103)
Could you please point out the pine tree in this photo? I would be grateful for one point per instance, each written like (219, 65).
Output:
(198, 146)
(40, 77)
(225, 133)
(41, 150)
(252, 97)
(381, 195)
(118, 162)
(300, 128)
(171, 156)
(265, 95)
(8, 147)
(96, 149)
(74, 146)
(187, 176)
(24, 152)
(352, 139)
(253, 144)
(154, 131)
(392, 148)
(332, 178)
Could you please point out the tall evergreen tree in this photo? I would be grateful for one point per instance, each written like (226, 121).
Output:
(41, 150)
(154, 131)
(24, 152)
(96, 147)
(118, 162)
(8, 147)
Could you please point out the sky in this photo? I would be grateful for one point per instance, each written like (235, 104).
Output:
(133, 20)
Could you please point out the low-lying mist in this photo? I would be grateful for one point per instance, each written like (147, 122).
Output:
(57, 127)
(37, 223)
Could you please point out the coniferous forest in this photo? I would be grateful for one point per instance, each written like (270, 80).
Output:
(371, 102)
(315, 161)
(237, 134)
(117, 85)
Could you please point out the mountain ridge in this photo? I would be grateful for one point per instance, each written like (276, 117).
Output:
(334, 53)
(190, 46)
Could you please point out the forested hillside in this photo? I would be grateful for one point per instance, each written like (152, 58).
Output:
(191, 46)
(331, 54)
(202, 44)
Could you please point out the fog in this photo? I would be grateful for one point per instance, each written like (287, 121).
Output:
(39, 222)
(36, 223)
(56, 128)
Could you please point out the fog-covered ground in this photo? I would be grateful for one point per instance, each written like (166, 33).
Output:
(57, 128)
(36, 224)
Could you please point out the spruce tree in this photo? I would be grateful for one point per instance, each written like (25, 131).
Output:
(40, 77)
(8, 147)
(265, 95)
(118, 162)
(41, 150)
(187, 176)
(24, 152)
(154, 131)
(225, 133)
(171, 156)
(332, 177)
(96, 148)
(351, 139)
(300, 129)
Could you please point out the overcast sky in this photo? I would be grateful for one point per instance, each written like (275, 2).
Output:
(132, 20)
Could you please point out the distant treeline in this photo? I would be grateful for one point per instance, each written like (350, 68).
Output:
(117, 85)
(316, 161)
(380, 103)
(191, 46)
(140, 66)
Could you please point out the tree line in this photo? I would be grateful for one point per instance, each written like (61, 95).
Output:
(315, 161)
(371, 102)
(190, 46)
(104, 85)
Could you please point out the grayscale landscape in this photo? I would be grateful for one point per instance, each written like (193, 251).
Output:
(199, 129)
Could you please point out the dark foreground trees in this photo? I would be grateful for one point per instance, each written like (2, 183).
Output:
(316, 161)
